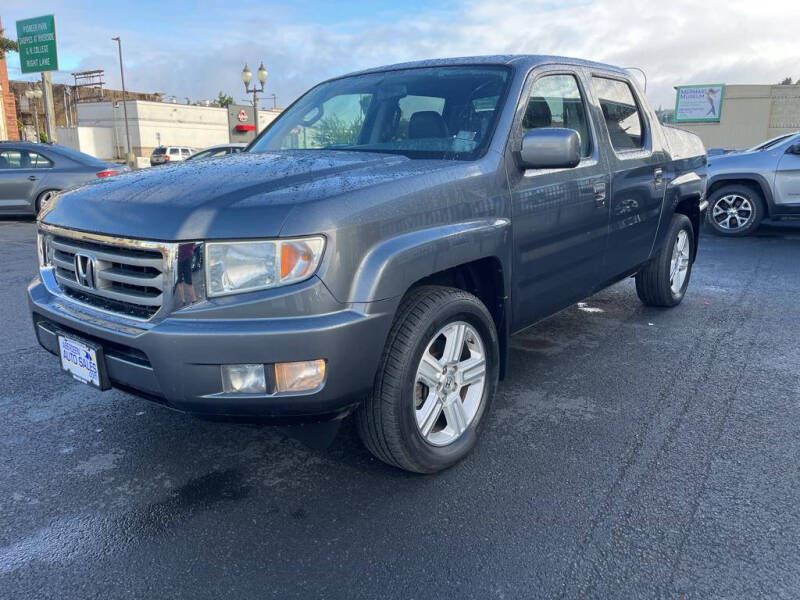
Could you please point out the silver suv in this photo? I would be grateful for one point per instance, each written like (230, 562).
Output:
(167, 154)
(758, 183)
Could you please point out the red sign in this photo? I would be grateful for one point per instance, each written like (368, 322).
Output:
(245, 128)
(242, 116)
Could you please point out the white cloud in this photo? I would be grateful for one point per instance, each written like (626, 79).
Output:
(676, 43)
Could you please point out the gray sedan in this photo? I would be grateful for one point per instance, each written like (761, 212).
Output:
(762, 182)
(30, 174)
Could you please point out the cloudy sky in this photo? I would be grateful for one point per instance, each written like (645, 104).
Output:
(197, 49)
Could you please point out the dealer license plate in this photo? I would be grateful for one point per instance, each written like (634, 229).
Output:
(81, 361)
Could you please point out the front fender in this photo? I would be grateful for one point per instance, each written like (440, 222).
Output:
(394, 264)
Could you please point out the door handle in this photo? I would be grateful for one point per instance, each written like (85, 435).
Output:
(658, 174)
(32, 178)
(600, 193)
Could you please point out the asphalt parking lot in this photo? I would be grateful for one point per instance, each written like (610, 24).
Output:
(631, 453)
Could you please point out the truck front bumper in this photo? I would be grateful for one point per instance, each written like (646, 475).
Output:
(177, 361)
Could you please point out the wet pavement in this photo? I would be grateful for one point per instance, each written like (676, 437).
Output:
(631, 452)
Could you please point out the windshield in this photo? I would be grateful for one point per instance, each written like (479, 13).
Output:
(443, 112)
(771, 143)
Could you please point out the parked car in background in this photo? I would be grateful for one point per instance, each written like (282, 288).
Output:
(31, 174)
(746, 187)
(719, 151)
(168, 154)
(219, 150)
(374, 249)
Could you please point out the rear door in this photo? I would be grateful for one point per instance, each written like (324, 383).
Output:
(560, 216)
(787, 177)
(636, 162)
(21, 176)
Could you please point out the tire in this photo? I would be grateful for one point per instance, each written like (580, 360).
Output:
(43, 199)
(391, 421)
(655, 284)
(735, 210)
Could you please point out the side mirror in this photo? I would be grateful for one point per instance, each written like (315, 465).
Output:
(793, 149)
(550, 148)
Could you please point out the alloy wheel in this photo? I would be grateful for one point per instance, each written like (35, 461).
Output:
(449, 383)
(45, 199)
(732, 212)
(679, 263)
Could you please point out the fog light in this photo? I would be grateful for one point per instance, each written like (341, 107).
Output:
(299, 376)
(244, 379)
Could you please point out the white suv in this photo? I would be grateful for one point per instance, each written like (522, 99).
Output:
(166, 154)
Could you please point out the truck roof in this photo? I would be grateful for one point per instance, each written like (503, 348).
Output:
(523, 60)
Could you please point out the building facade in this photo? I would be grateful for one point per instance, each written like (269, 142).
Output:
(751, 114)
(8, 108)
(100, 127)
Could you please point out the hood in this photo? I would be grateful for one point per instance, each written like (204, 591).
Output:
(246, 195)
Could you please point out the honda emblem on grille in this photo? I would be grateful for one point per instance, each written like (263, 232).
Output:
(84, 270)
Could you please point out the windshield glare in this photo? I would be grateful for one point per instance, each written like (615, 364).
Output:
(445, 112)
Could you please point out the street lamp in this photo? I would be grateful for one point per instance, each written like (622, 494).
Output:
(247, 77)
(31, 95)
(129, 153)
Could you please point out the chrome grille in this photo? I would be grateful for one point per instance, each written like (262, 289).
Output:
(131, 278)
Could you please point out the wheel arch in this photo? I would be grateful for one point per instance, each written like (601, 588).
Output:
(754, 181)
(483, 278)
(472, 255)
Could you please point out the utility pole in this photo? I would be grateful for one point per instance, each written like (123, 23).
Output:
(49, 108)
(129, 152)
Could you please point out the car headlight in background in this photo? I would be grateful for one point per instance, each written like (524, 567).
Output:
(236, 267)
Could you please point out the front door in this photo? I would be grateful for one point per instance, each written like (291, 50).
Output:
(787, 178)
(559, 216)
(637, 177)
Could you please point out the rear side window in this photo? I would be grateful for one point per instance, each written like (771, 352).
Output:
(556, 101)
(174, 151)
(621, 113)
(185, 151)
(37, 161)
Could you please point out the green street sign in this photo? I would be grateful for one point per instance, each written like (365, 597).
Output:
(37, 44)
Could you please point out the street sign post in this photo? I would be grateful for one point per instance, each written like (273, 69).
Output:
(37, 44)
(37, 54)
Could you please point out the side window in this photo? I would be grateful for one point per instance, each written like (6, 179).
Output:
(621, 113)
(185, 151)
(10, 159)
(556, 101)
(174, 151)
(37, 161)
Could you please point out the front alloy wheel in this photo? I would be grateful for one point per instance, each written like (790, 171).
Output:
(449, 385)
(679, 263)
(732, 212)
(735, 210)
(434, 383)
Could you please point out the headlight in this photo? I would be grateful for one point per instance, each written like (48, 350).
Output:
(235, 267)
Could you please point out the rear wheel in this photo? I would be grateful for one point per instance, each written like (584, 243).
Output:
(43, 198)
(734, 210)
(436, 379)
(664, 280)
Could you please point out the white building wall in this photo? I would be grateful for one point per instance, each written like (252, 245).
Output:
(96, 141)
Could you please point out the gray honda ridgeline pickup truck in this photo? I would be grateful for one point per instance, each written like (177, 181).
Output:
(373, 249)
